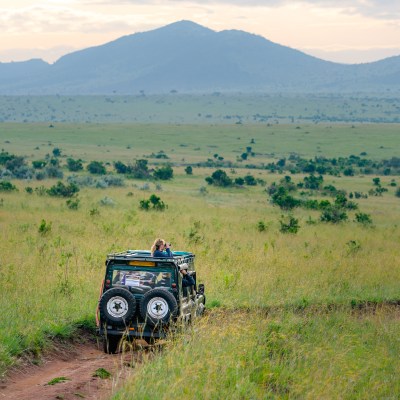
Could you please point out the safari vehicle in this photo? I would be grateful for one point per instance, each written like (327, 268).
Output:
(144, 296)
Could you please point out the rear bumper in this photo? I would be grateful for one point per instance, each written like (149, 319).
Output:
(134, 332)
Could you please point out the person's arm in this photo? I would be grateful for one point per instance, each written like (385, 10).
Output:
(168, 250)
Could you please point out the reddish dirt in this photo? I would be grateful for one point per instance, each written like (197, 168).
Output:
(77, 363)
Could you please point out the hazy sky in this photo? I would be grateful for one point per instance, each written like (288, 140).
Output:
(339, 30)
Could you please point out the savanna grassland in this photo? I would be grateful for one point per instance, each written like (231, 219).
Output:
(308, 314)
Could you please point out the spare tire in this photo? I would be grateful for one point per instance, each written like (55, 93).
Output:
(117, 306)
(158, 306)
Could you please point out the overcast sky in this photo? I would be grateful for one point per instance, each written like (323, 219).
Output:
(349, 31)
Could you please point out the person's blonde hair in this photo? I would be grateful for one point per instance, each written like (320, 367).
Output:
(156, 245)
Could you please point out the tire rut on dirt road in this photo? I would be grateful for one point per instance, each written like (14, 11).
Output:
(77, 364)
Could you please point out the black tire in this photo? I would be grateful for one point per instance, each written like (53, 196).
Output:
(111, 344)
(117, 306)
(158, 306)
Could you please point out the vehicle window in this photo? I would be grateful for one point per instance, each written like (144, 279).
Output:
(141, 281)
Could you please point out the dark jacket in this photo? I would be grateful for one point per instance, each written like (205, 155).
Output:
(165, 254)
(187, 280)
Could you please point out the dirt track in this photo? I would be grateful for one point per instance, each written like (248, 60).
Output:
(76, 363)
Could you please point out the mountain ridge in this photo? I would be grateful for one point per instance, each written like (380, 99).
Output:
(187, 57)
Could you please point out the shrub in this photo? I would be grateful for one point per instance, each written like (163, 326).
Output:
(261, 226)
(29, 190)
(334, 215)
(285, 201)
(94, 211)
(239, 181)
(153, 203)
(44, 227)
(107, 201)
(289, 224)
(53, 171)
(363, 218)
(61, 190)
(24, 172)
(40, 190)
(348, 172)
(73, 204)
(164, 173)
(6, 186)
(250, 180)
(96, 167)
(219, 178)
(74, 165)
(120, 167)
(313, 182)
(39, 164)
(189, 170)
(144, 205)
(376, 181)
(56, 152)
(157, 203)
(140, 170)
(397, 194)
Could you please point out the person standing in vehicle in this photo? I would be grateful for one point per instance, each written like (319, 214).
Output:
(161, 249)
(187, 280)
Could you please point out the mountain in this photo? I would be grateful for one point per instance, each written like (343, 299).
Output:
(188, 57)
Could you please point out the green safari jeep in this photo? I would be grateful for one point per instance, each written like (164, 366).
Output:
(142, 296)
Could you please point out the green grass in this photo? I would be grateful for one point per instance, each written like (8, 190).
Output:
(283, 355)
(197, 143)
(294, 316)
(58, 380)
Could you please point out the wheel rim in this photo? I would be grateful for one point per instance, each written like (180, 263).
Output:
(117, 307)
(157, 308)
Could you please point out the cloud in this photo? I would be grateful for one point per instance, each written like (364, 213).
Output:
(379, 9)
(38, 19)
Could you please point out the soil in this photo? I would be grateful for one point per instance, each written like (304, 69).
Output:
(77, 363)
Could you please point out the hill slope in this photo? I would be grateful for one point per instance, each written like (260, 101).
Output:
(187, 57)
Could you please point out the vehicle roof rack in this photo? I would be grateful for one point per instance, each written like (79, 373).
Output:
(178, 257)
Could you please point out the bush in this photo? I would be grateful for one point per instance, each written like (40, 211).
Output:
(285, 201)
(363, 218)
(250, 180)
(120, 167)
(96, 167)
(107, 201)
(6, 186)
(397, 194)
(261, 226)
(189, 170)
(219, 178)
(39, 164)
(289, 224)
(74, 165)
(140, 170)
(164, 173)
(44, 227)
(73, 204)
(333, 214)
(313, 182)
(144, 205)
(40, 190)
(56, 152)
(54, 172)
(153, 203)
(61, 190)
(239, 181)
